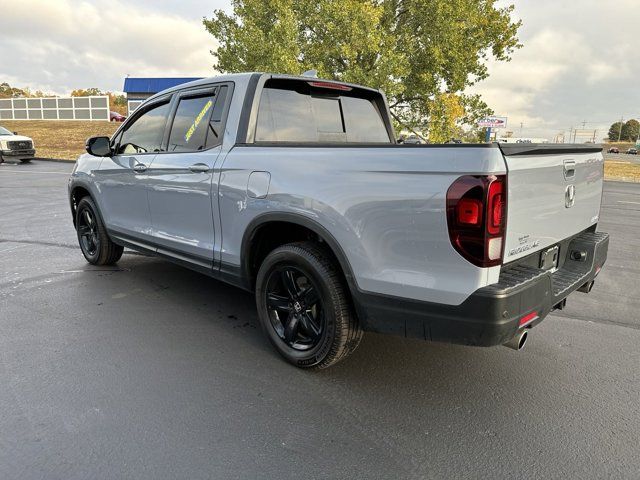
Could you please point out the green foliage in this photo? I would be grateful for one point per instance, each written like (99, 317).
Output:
(422, 53)
(630, 130)
(474, 135)
(7, 91)
(624, 132)
(89, 92)
(116, 99)
(615, 132)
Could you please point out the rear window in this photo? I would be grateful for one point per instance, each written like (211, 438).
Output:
(295, 112)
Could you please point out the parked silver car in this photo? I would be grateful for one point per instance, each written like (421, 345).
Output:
(294, 188)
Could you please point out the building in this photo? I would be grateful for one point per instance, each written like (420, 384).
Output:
(138, 90)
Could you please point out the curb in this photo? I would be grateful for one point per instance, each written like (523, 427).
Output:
(60, 160)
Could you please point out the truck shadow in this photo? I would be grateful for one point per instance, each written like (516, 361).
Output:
(382, 364)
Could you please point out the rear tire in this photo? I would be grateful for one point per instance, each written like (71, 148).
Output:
(304, 307)
(94, 241)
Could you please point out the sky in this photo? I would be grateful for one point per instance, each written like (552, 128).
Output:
(580, 61)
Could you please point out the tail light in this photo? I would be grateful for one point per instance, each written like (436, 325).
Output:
(331, 86)
(476, 207)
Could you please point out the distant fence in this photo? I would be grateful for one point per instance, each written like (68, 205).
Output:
(58, 108)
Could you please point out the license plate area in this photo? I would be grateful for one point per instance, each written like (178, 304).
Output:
(549, 258)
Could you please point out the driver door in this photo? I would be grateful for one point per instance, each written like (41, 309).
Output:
(123, 180)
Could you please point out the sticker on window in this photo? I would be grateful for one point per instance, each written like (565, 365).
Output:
(197, 121)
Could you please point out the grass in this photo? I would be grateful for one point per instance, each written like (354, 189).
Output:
(619, 170)
(60, 139)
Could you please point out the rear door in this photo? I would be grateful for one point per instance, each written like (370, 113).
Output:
(554, 193)
(183, 180)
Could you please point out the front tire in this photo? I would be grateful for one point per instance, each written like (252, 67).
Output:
(304, 307)
(94, 241)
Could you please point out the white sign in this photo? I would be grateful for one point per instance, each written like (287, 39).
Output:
(493, 122)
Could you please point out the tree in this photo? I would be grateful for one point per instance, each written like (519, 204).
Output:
(422, 53)
(630, 130)
(624, 132)
(89, 92)
(7, 91)
(615, 132)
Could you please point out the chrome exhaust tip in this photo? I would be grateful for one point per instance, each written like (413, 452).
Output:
(518, 341)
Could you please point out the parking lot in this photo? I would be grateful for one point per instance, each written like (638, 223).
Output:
(149, 370)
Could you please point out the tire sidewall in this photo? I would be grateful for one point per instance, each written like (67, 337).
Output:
(290, 256)
(87, 204)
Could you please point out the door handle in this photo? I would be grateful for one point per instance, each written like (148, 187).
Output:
(569, 169)
(199, 168)
(139, 168)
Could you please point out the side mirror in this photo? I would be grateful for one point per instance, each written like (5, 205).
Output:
(99, 146)
(15, 133)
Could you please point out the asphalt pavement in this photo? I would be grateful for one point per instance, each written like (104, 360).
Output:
(147, 370)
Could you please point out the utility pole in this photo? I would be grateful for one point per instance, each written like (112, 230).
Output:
(620, 131)
(521, 125)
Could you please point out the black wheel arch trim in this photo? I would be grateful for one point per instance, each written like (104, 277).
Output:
(303, 221)
(73, 186)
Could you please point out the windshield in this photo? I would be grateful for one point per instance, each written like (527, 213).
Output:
(4, 131)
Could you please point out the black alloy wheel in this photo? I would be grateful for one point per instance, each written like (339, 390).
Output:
(88, 232)
(295, 308)
(94, 241)
(304, 305)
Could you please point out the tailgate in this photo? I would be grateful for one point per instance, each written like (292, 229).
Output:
(554, 192)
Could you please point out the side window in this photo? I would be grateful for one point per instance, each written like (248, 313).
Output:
(190, 124)
(293, 115)
(216, 125)
(363, 121)
(146, 132)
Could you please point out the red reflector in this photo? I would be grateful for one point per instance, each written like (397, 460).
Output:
(496, 204)
(331, 85)
(528, 318)
(496, 212)
(469, 211)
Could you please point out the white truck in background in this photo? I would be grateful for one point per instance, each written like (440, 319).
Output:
(15, 147)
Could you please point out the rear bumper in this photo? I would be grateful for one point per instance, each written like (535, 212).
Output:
(491, 315)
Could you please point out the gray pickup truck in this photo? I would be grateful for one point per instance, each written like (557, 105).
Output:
(295, 188)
